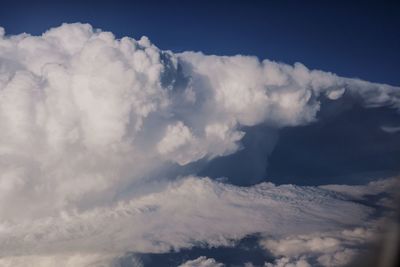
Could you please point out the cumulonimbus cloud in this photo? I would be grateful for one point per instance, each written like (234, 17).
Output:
(87, 118)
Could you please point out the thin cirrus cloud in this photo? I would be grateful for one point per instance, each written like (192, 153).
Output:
(91, 125)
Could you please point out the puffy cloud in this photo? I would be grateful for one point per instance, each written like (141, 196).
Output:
(285, 262)
(335, 94)
(326, 248)
(202, 262)
(85, 115)
(334, 248)
(340, 247)
(91, 125)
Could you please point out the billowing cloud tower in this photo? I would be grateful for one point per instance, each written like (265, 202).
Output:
(102, 140)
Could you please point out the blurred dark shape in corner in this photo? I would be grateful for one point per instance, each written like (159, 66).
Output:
(385, 251)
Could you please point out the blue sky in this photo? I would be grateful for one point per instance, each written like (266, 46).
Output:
(350, 38)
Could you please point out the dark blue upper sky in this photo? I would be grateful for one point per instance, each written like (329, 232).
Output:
(354, 39)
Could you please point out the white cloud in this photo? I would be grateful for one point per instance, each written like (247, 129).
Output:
(326, 248)
(202, 262)
(285, 262)
(333, 248)
(335, 94)
(340, 247)
(91, 124)
(196, 210)
(60, 260)
(83, 115)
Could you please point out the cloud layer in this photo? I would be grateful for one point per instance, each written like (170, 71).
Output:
(191, 212)
(93, 127)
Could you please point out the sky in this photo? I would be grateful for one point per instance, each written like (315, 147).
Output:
(350, 38)
(199, 134)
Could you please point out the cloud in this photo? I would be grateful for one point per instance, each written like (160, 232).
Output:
(202, 262)
(390, 129)
(340, 247)
(94, 127)
(195, 211)
(285, 262)
(389, 186)
(61, 260)
(335, 94)
(85, 115)
(179, 216)
(325, 248)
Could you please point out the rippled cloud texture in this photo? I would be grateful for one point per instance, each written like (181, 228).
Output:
(97, 134)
